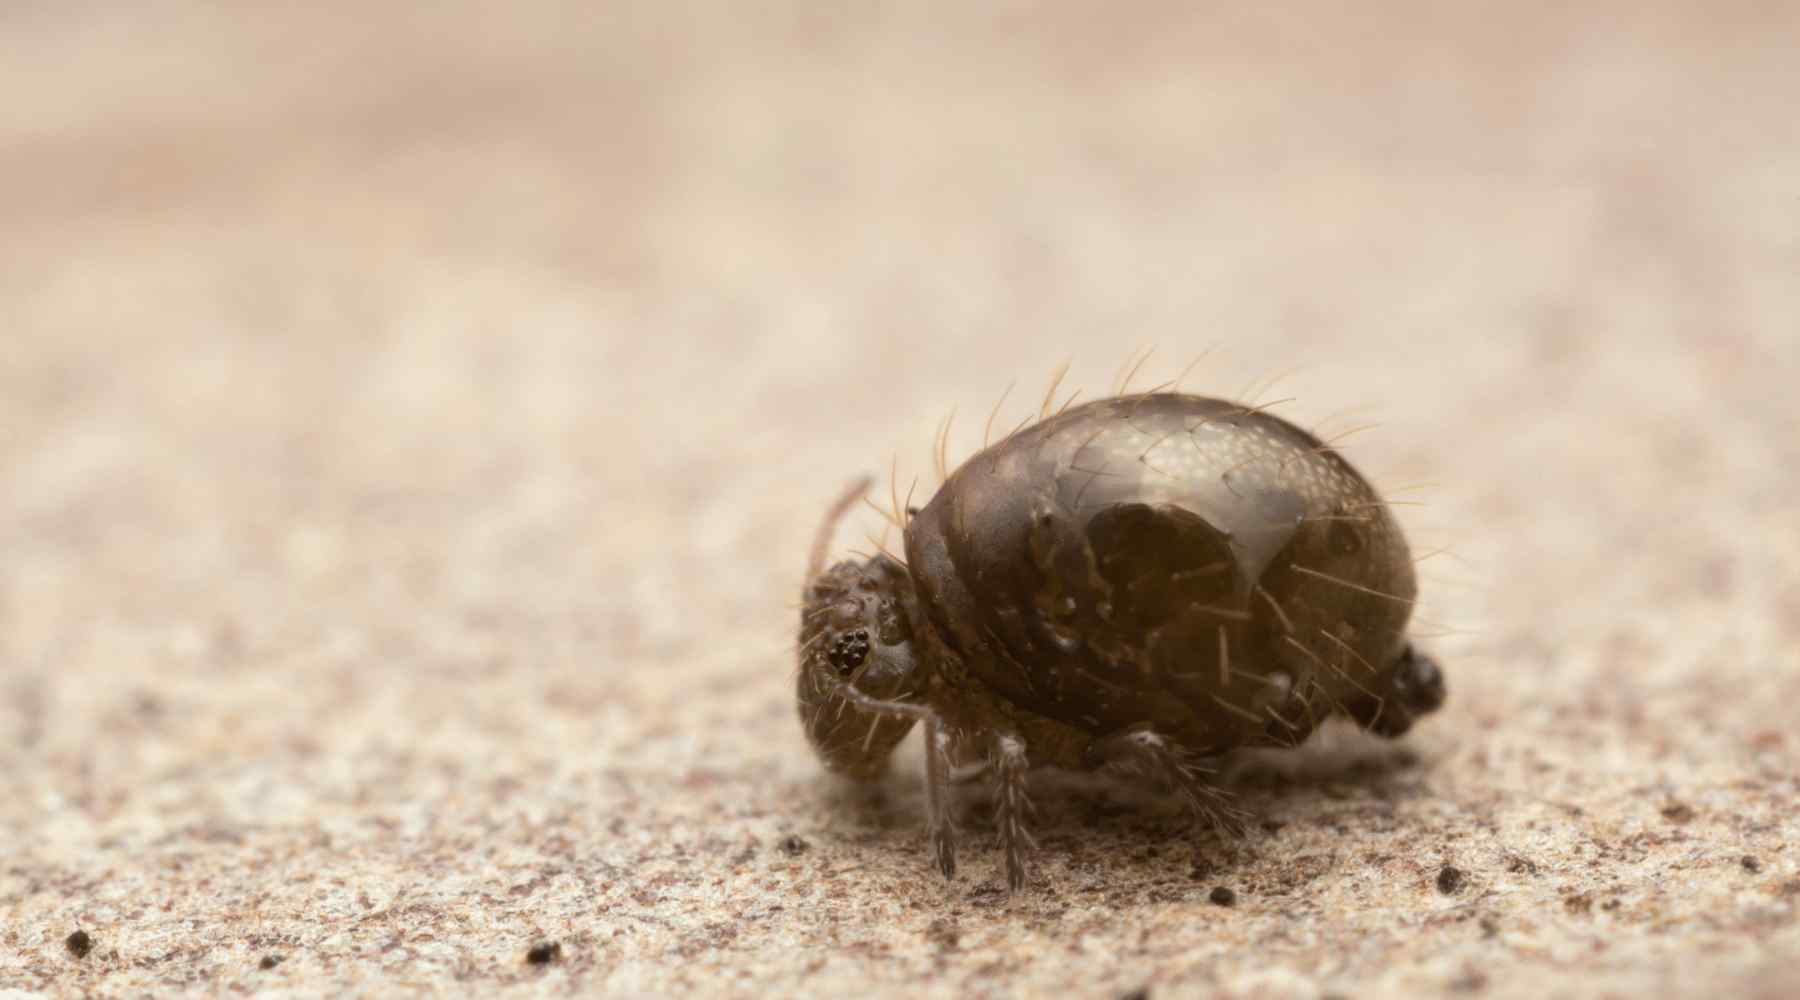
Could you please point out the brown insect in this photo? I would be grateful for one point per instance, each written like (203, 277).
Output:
(1148, 581)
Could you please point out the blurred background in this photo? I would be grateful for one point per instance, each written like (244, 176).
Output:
(413, 417)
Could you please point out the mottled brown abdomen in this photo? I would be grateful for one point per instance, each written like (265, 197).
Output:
(1210, 570)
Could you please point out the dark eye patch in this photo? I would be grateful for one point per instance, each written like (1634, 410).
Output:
(848, 651)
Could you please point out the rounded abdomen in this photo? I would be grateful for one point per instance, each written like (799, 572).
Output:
(1166, 559)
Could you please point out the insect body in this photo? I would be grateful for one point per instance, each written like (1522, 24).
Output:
(1147, 581)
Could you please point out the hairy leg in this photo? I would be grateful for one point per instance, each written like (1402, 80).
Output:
(1011, 806)
(941, 823)
(1150, 754)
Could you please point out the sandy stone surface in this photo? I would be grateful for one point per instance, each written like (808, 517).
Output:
(412, 425)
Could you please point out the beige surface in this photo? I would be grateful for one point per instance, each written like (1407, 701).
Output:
(411, 427)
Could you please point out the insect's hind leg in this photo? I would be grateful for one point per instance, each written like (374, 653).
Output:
(1011, 804)
(1150, 754)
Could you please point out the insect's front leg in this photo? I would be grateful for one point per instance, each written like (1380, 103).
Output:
(939, 746)
(942, 823)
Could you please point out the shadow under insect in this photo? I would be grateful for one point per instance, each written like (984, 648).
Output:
(1077, 811)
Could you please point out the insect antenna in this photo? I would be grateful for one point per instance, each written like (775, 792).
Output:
(815, 560)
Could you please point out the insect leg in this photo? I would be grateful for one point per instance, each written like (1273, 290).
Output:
(1011, 806)
(1149, 754)
(937, 796)
(941, 823)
